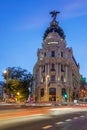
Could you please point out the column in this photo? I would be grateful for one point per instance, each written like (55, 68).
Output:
(66, 73)
(48, 69)
(59, 72)
(46, 88)
(45, 71)
(40, 74)
(70, 75)
(56, 71)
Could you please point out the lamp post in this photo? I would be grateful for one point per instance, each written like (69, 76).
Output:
(6, 92)
(46, 89)
(29, 95)
(18, 97)
(6, 74)
(18, 93)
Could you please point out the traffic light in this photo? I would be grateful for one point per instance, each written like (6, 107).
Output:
(64, 94)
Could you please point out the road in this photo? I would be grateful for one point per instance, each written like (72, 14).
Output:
(57, 118)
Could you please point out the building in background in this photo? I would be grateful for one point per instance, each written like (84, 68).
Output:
(1, 89)
(56, 72)
(83, 88)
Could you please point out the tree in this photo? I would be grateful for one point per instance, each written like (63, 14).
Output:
(18, 81)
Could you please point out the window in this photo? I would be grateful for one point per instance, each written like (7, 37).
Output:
(62, 68)
(53, 67)
(61, 54)
(45, 54)
(52, 78)
(42, 92)
(44, 68)
(63, 91)
(44, 79)
(53, 54)
(52, 91)
(62, 78)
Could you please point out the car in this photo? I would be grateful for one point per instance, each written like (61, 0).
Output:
(82, 101)
(11, 100)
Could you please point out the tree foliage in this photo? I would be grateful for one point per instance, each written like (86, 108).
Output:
(18, 80)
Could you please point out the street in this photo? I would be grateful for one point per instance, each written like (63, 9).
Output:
(50, 118)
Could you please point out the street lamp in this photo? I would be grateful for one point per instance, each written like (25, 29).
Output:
(6, 74)
(6, 90)
(46, 89)
(5, 71)
(18, 96)
(18, 93)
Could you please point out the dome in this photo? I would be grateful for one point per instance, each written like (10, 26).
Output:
(54, 27)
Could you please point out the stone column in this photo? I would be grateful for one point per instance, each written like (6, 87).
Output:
(46, 88)
(58, 94)
(59, 72)
(40, 74)
(66, 73)
(48, 69)
(39, 94)
(70, 75)
(56, 71)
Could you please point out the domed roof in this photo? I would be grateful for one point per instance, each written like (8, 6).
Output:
(54, 27)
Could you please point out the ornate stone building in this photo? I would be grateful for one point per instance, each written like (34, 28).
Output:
(56, 73)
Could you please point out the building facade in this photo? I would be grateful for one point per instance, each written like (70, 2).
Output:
(56, 72)
(1, 89)
(83, 88)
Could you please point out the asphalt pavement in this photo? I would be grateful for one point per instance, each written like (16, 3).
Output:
(24, 117)
(68, 120)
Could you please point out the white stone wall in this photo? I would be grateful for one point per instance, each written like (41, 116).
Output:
(62, 60)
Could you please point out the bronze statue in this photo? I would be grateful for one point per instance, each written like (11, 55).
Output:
(54, 14)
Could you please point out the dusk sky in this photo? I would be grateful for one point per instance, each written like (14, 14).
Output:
(22, 26)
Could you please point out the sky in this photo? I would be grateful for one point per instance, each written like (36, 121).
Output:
(22, 26)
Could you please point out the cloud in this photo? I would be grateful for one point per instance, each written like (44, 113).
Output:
(30, 22)
(75, 8)
(76, 4)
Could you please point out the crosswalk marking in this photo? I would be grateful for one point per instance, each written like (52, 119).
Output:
(58, 123)
(75, 118)
(68, 120)
(48, 126)
(82, 116)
